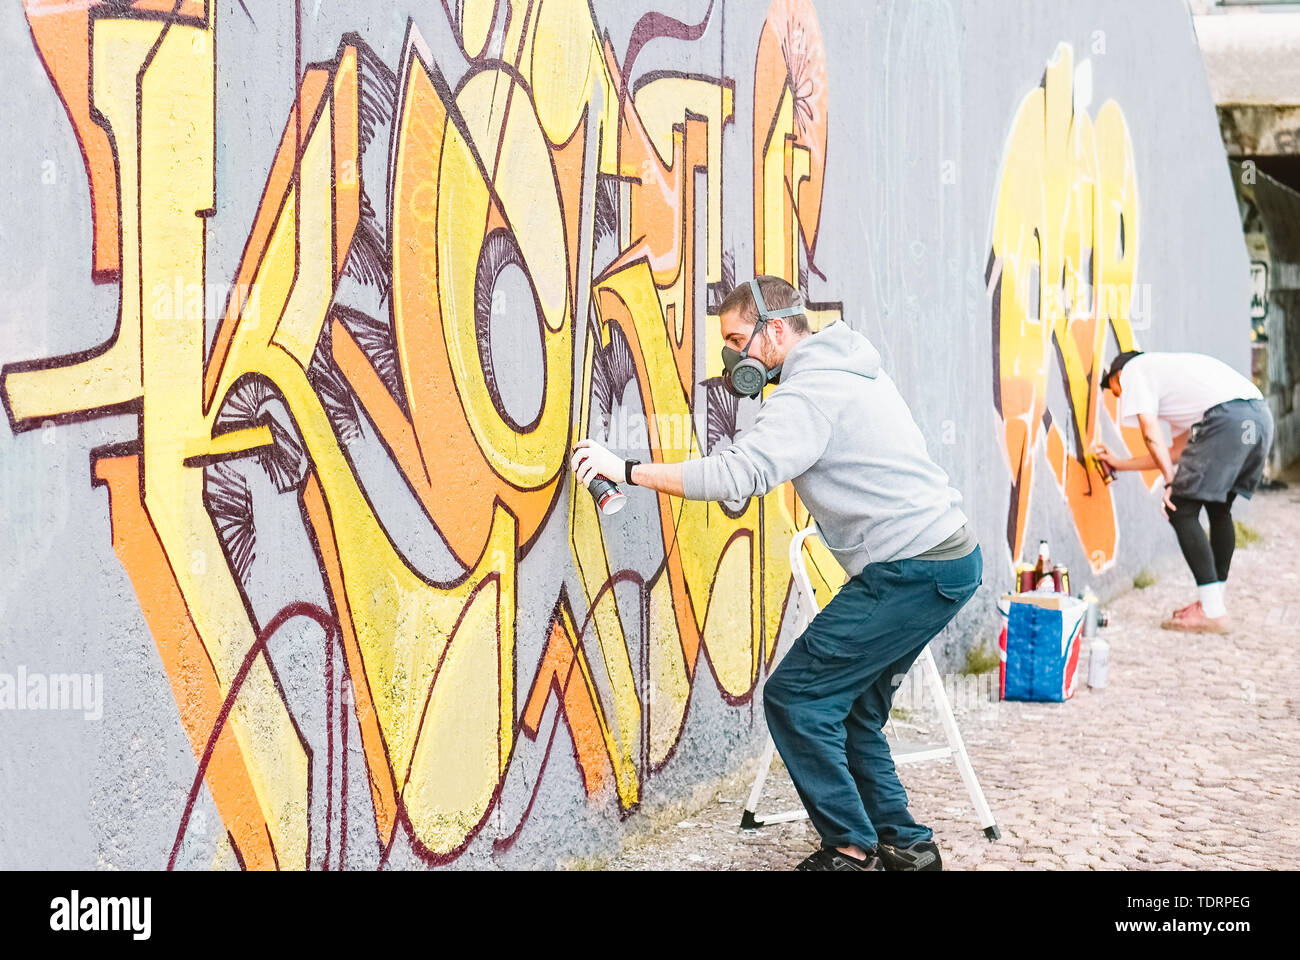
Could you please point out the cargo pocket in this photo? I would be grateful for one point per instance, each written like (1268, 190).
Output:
(958, 584)
(957, 590)
(841, 630)
(828, 650)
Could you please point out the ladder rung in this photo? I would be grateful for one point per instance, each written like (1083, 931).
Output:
(766, 821)
(922, 754)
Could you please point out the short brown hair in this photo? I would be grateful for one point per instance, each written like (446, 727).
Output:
(777, 294)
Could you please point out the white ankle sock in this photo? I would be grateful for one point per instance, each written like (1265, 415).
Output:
(1211, 595)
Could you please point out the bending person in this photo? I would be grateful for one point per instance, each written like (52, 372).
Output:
(839, 429)
(1221, 432)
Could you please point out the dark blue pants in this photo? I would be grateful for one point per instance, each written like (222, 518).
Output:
(828, 700)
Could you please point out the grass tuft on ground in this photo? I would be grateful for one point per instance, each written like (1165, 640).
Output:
(1246, 534)
(980, 660)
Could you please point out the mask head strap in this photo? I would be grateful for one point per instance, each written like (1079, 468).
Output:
(764, 314)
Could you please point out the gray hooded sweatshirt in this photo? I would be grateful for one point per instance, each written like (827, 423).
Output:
(839, 429)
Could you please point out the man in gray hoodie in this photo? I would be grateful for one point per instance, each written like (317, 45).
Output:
(837, 427)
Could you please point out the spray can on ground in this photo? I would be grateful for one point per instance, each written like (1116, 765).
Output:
(609, 499)
(1098, 662)
(1098, 648)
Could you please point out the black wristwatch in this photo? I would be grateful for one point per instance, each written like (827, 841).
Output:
(627, 471)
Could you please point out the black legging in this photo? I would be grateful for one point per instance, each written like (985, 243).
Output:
(1208, 558)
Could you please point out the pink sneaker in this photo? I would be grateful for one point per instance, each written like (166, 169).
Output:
(1195, 621)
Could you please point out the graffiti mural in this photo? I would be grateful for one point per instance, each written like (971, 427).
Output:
(409, 211)
(1062, 274)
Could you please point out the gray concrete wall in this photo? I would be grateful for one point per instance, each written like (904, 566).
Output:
(289, 395)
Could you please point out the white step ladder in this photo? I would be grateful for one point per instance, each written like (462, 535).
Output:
(955, 748)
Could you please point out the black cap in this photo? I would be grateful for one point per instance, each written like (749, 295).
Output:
(1117, 365)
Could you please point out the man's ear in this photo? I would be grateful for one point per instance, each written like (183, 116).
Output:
(775, 330)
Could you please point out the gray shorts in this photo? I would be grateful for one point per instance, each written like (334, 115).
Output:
(1226, 452)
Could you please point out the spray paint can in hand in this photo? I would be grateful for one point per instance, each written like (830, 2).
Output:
(1105, 469)
(609, 499)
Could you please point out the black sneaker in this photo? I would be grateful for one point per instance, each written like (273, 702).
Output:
(922, 855)
(828, 859)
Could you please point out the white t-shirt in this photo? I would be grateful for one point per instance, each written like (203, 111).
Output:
(1178, 388)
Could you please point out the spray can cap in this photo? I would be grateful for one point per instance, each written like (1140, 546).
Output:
(612, 501)
(609, 499)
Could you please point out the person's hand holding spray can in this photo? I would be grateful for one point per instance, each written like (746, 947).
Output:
(1105, 461)
(596, 469)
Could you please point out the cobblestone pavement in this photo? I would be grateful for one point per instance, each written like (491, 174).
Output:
(1189, 759)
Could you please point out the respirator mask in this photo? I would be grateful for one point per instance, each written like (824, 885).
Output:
(746, 376)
